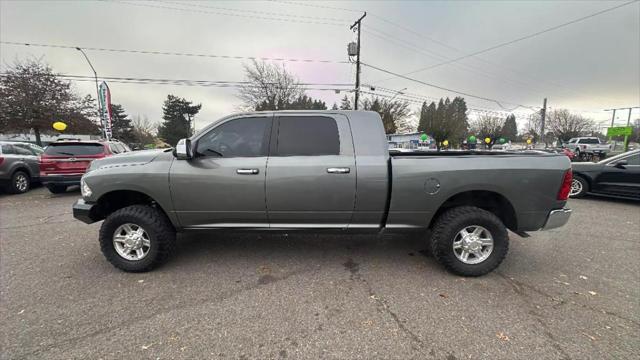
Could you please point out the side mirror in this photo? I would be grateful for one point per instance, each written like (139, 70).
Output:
(620, 164)
(182, 151)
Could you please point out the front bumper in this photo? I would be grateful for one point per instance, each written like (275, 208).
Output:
(61, 179)
(85, 212)
(557, 218)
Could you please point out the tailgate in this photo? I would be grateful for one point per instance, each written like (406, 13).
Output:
(67, 159)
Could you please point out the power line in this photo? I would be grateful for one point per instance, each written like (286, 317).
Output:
(522, 38)
(190, 82)
(231, 14)
(444, 88)
(317, 6)
(472, 69)
(172, 53)
(184, 3)
(532, 80)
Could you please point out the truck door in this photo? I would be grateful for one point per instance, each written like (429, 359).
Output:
(311, 174)
(223, 185)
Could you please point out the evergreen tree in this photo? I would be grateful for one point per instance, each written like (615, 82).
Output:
(303, 102)
(121, 126)
(345, 104)
(334, 107)
(177, 114)
(445, 121)
(510, 128)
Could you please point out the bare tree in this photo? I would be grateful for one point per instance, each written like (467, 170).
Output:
(408, 124)
(533, 126)
(566, 125)
(144, 130)
(269, 86)
(487, 126)
(32, 97)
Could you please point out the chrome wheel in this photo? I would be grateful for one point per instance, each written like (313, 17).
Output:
(21, 183)
(576, 187)
(473, 244)
(131, 242)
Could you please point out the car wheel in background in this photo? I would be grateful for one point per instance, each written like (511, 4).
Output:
(579, 187)
(20, 183)
(137, 238)
(469, 241)
(57, 189)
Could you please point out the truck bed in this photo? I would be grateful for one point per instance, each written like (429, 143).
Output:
(422, 181)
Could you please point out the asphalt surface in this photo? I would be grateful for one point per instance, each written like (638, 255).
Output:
(571, 293)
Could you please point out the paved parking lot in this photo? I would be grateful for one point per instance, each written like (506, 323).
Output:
(569, 293)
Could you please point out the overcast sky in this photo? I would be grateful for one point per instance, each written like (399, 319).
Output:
(587, 66)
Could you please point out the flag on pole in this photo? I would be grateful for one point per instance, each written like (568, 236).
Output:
(105, 102)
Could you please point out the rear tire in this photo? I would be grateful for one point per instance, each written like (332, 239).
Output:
(159, 233)
(57, 189)
(20, 183)
(579, 187)
(447, 230)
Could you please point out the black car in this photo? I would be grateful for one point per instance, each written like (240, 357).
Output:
(618, 176)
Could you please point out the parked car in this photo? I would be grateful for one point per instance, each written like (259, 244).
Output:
(618, 176)
(320, 170)
(64, 162)
(18, 166)
(584, 147)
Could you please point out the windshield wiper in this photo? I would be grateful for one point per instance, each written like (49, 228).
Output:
(66, 153)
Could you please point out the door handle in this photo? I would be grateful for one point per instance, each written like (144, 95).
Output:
(247, 171)
(344, 170)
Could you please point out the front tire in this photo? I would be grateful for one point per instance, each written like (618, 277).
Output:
(20, 183)
(469, 241)
(137, 238)
(579, 187)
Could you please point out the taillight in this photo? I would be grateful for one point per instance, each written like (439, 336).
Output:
(565, 188)
(1, 160)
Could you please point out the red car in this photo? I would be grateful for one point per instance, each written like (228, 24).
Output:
(64, 162)
(570, 154)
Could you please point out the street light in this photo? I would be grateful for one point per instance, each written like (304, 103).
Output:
(95, 75)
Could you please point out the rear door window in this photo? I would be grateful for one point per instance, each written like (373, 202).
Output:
(115, 148)
(77, 149)
(8, 150)
(307, 136)
(22, 150)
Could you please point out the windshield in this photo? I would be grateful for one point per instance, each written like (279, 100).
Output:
(589, 141)
(74, 149)
(618, 157)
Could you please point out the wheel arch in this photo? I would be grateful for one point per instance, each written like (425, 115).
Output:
(114, 200)
(22, 167)
(491, 201)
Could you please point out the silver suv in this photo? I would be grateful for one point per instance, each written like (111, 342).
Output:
(18, 166)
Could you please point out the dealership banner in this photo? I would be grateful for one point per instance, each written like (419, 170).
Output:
(105, 105)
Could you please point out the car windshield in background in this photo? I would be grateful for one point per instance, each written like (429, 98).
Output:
(589, 141)
(74, 149)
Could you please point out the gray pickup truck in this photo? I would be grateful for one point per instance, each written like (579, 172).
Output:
(317, 171)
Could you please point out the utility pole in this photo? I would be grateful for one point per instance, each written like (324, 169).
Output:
(543, 116)
(95, 76)
(359, 25)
